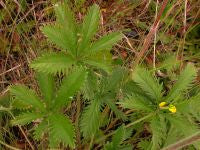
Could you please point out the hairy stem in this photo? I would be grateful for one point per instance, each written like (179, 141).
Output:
(184, 142)
(77, 119)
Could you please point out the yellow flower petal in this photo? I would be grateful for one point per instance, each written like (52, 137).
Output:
(172, 108)
(162, 104)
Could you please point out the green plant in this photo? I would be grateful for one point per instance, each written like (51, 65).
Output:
(47, 107)
(110, 108)
(76, 41)
(172, 112)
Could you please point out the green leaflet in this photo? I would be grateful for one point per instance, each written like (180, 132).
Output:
(137, 102)
(158, 132)
(148, 83)
(184, 81)
(26, 118)
(105, 42)
(89, 27)
(28, 96)
(70, 85)
(117, 139)
(46, 84)
(102, 65)
(65, 18)
(62, 130)
(53, 63)
(114, 108)
(101, 60)
(56, 35)
(90, 120)
(40, 129)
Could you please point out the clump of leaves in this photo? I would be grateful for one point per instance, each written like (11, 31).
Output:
(170, 112)
(47, 107)
(100, 93)
(76, 41)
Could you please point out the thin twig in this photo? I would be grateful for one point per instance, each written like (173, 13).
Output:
(127, 126)
(24, 134)
(129, 43)
(155, 38)
(11, 69)
(8, 146)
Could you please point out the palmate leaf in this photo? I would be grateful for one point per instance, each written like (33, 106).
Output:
(26, 118)
(148, 83)
(184, 81)
(106, 42)
(46, 84)
(90, 120)
(71, 84)
(61, 130)
(28, 96)
(52, 63)
(89, 27)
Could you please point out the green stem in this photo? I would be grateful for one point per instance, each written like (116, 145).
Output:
(91, 143)
(77, 119)
(127, 126)
(139, 120)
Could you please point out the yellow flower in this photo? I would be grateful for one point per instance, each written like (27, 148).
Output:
(172, 108)
(162, 104)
